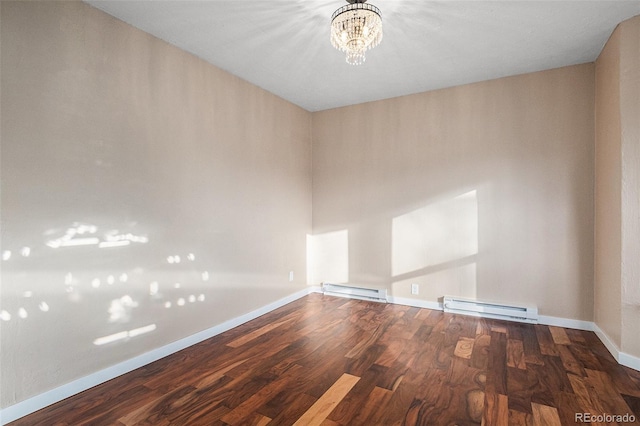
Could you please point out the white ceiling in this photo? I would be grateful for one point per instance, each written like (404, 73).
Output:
(283, 45)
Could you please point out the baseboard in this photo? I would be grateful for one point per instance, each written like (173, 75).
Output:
(314, 289)
(623, 358)
(52, 396)
(542, 319)
(566, 322)
(426, 304)
(611, 347)
(629, 360)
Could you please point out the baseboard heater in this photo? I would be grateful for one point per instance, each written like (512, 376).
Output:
(352, 292)
(521, 313)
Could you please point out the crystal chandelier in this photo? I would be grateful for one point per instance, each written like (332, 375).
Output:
(355, 28)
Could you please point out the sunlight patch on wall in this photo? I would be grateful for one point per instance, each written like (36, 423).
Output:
(83, 234)
(328, 257)
(438, 233)
(456, 280)
(123, 335)
(120, 309)
(40, 293)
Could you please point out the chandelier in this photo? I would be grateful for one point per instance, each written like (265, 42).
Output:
(355, 28)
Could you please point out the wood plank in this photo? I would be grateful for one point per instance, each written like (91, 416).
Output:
(156, 410)
(396, 328)
(633, 403)
(358, 366)
(323, 407)
(585, 401)
(369, 340)
(545, 340)
(622, 377)
(499, 328)
(429, 385)
(483, 326)
(257, 333)
(454, 396)
(480, 353)
(210, 379)
(559, 336)
(518, 418)
(545, 415)
(256, 419)
(288, 407)
(515, 331)
(373, 406)
(398, 405)
(264, 394)
(475, 400)
(607, 393)
(392, 351)
(390, 377)
(538, 385)
(532, 354)
(576, 336)
(550, 379)
(585, 357)
(570, 363)
(515, 354)
(568, 406)
(496, 410)
(423, 314)
(351, 404)
(464, 347)
(521, 385)
(497, 372)
(634, 375)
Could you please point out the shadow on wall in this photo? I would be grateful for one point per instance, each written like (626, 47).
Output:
(435, 246)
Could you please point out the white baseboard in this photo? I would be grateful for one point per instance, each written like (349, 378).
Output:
(315, 289)
(426, 304)
(566, 322)
(623, 358)
(542, 319)
(629, 360)
(611, 347)
(52, 396)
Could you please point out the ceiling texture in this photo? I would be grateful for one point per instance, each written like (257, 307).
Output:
(283, 45)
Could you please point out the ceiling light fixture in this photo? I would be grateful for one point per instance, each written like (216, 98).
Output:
(355, 28)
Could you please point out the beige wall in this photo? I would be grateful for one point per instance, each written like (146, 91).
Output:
(608, 248)
(484, 190)
(630, 125)
(106, 126)
(617, 284)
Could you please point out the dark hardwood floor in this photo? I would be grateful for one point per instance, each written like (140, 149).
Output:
(330, 361)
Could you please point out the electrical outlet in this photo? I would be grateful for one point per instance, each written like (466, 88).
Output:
(415, 289)
(290, 276)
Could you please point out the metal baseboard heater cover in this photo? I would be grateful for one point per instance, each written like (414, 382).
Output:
(353, 292)
(496, 310)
